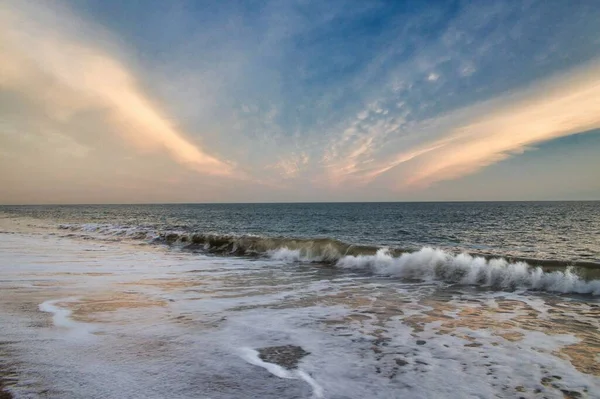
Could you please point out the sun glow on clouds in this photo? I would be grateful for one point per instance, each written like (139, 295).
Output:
(71, 75)
(290, 105)
(567, 107)
(482, 134)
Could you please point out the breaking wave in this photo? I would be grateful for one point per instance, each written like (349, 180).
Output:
(429, 264)
(284, 248)
(497, 273)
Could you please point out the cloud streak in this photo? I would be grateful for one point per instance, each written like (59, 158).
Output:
(472, 138)
(289, 100)
(70, 76)
(556, 109)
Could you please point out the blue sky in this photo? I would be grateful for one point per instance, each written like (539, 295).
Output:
(194, 101)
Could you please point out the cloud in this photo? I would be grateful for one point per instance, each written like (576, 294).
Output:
(493, 131)
(432, 77)
(291, 166)
(448, 104)
(291, 98)
(68, 75)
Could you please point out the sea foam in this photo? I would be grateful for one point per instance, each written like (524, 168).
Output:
(252, 357)
(435, 264)
(425, 264)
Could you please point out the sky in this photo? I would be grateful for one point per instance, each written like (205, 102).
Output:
(148, 101)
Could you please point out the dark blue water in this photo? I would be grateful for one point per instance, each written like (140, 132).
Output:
(556, 231)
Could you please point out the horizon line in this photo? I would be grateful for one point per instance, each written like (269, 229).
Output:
(301, 202)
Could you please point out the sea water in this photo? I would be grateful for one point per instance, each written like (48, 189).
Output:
(452, 300)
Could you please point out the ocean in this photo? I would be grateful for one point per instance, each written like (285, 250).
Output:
(319, 300)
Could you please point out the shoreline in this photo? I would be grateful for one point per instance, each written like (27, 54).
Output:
(157, 315)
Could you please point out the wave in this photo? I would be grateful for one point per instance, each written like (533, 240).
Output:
(423, 264)
(321, 249)
(298, 249)
(498, 273)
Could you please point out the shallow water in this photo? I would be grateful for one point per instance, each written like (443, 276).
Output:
(89, 316)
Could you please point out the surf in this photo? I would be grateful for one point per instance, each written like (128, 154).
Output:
(426, 263)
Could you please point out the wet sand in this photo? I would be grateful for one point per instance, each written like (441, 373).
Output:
(4, 375)
(83, 318)
(4, 394)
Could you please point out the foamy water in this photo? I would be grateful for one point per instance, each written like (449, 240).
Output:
(85, 318)
(435, 264)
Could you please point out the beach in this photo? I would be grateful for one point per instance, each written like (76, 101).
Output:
(88, 313)
(299, 199)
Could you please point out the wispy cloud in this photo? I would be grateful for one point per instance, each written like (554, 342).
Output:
(290, 99)
(497, 129)
(466, 140)
(461, 102)
(70, 75)
(290, 166)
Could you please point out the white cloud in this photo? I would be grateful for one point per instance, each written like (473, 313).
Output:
(467, 70)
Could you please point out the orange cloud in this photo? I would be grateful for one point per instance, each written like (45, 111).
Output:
(557, 109)
(71, 75)
(469, 139)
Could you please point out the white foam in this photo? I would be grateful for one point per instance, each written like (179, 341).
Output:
(307, 253)
(318, 391)
(292, 255)
(251, 304)
(252, 357)
(435, 264)
(427, 264)
(61, 317)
